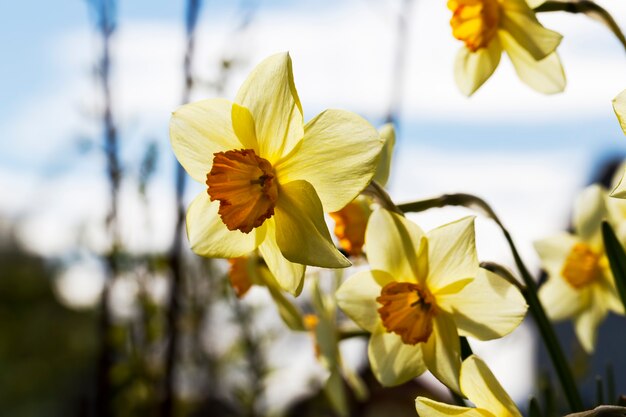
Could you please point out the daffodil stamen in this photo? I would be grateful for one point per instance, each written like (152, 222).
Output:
(474, 22)
(246, 187)
(407, 310)
(582, 266)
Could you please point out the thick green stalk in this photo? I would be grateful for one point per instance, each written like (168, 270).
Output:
(530, 291)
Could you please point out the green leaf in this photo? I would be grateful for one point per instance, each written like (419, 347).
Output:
(617, 259)
(533, 408)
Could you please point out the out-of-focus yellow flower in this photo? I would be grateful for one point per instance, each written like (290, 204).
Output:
(424, 290)
(351, 221)
(580, 284)
(480, 387)
(619, 106)
(489, 27)
(269, 176)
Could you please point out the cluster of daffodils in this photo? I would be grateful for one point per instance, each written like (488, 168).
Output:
(270, 178)
(490, 27)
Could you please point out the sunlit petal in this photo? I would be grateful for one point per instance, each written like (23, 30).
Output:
(430, 408)
(442, 351)
(472, 69)
(357, 297)
(392, 361)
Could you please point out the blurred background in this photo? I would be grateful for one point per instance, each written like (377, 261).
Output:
(103, 311)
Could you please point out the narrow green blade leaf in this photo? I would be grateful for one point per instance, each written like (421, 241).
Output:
(617, 259)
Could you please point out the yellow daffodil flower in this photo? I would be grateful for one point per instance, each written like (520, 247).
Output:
(239, 275)
(619, 106)
(423, 291)
(480, 387)
(269, 176)
(488, 27)
(580, 283)
(351, 221)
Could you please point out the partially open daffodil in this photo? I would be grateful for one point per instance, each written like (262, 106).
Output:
(424, 290)
(270, 177)
(480, 387)
(489, 27)
(580, 283)
(619, 106)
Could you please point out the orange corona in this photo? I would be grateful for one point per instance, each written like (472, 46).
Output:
(246, 186)
(582, 266)
(407, 310)
(474, 22)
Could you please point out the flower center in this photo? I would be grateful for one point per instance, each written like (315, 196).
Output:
(350, 224)
(474, 22)
(246, 187)
(407, 310)
(582, 266)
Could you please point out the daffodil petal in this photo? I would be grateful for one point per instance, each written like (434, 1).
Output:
(553, 252)
(619, 106)
(559, 299)
(451, 253)
(430, 408)
(200, 129)
(589, 211)
(392, 361)
(338, 156)
(209, 236)
(620, 189)
(587, 322)
(488, 307)
(520, 22)
(545, 76)
(388, 134)
(442, 351)
(270, 94)
(392, 244)
(301, 232)
(484, 390)
(357, 298)
(472, 69)
(243, 126)
(289, 275)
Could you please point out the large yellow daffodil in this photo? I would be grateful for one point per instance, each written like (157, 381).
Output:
(480, 387)
(423, 291)
(580, 283)
(489, 27)
(269, 176)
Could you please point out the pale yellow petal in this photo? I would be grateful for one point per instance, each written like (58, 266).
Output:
(289, 275)
(472, 69)
(545, 76)
(561, 300)
(270, 94)
(619, 106)
(209, 236)
(388, 135)
(357, 297)
(430, 408)
(520, 22)
(338, 156)
(554, 250)
(442, 351)
(243, 126)
(589, 211)
(301, 231)
(487, 308)
(620, 189)
(392, 243)
(392, 361)
(452, 254)
(587, 322)
(200, 129)
(484, 390)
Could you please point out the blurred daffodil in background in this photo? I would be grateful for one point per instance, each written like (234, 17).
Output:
(619, 106)
(580, 284)
(489, 27)
(424, 291)
(481, 387)
(270, 177)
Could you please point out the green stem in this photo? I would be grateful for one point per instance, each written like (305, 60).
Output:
(530, 292)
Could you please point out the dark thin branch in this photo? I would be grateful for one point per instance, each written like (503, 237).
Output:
(175, 256)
